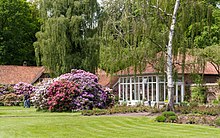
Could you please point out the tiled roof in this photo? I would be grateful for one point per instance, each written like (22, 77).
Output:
(191, 66)
(10, 74)
(106, 79)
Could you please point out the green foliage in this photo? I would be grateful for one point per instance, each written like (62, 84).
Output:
(18, 25)
(217, 121)
(167, 114)
(172, 119)
(198, 94)
(208, 37)
(218, 82)
(125, 36)
(215, 101)
(161, 118)
(211, 54)
(68, 36)
(133, 32)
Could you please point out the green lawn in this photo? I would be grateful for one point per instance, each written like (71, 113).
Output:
(17, 122)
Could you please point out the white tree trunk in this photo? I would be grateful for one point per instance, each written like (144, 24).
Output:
(170, 84)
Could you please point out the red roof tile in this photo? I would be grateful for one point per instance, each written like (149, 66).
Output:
(191, 66)
(106, 79)
(10, 74)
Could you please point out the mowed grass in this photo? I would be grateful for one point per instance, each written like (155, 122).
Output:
(17, 122)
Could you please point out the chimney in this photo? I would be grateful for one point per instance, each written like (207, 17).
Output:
(25, 63)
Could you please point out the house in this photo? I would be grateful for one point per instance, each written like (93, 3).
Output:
(150, 86)
(105, 79)
(10, 74)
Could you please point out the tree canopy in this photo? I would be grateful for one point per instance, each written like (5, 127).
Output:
(134, 32)
(67, 38)
(18, 25)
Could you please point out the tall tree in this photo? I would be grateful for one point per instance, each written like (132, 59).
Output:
(68, 35)
(170, 85)
(18, 25)
(135, 31)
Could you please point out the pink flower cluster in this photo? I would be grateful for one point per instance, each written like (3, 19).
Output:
(61, 95)
(22, 87)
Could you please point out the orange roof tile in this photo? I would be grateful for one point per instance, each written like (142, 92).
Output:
(10, 74)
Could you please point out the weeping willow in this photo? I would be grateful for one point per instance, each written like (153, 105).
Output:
(124, 34)
(134, 32)
(67, 38)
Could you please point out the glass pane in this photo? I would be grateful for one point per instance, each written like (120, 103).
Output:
(128, 98)
(154, 91)
(150, 79)
(128, 80)
(140, 79)
(150, 91)
(179, 93)
(161, 92)
(154, 78)
(133, 92)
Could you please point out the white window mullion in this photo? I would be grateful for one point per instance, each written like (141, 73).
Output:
(152, 89)
(126, 91)
(182, 92)
(176, 93)
(138, 88)
(119, 89)
(157, 89)
(135, 89)
(130, 89)
(164, 90)
(143, 88)
(148, 90)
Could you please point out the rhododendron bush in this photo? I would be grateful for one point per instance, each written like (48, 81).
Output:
(77, 90)
(22, 87)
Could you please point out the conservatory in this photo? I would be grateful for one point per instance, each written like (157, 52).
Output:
(147, 90)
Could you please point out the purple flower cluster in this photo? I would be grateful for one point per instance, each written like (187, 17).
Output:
(80, 75)
(22, 87)
(92, 94)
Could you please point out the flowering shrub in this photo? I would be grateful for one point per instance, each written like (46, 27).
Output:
(22, 87)
(11, 99)
(61, 95)
(4, 89)
(77, 90)
(40, 98)
(79, 75)
(92, 95)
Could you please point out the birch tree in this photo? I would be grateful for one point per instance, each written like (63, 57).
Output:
(170, 85)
